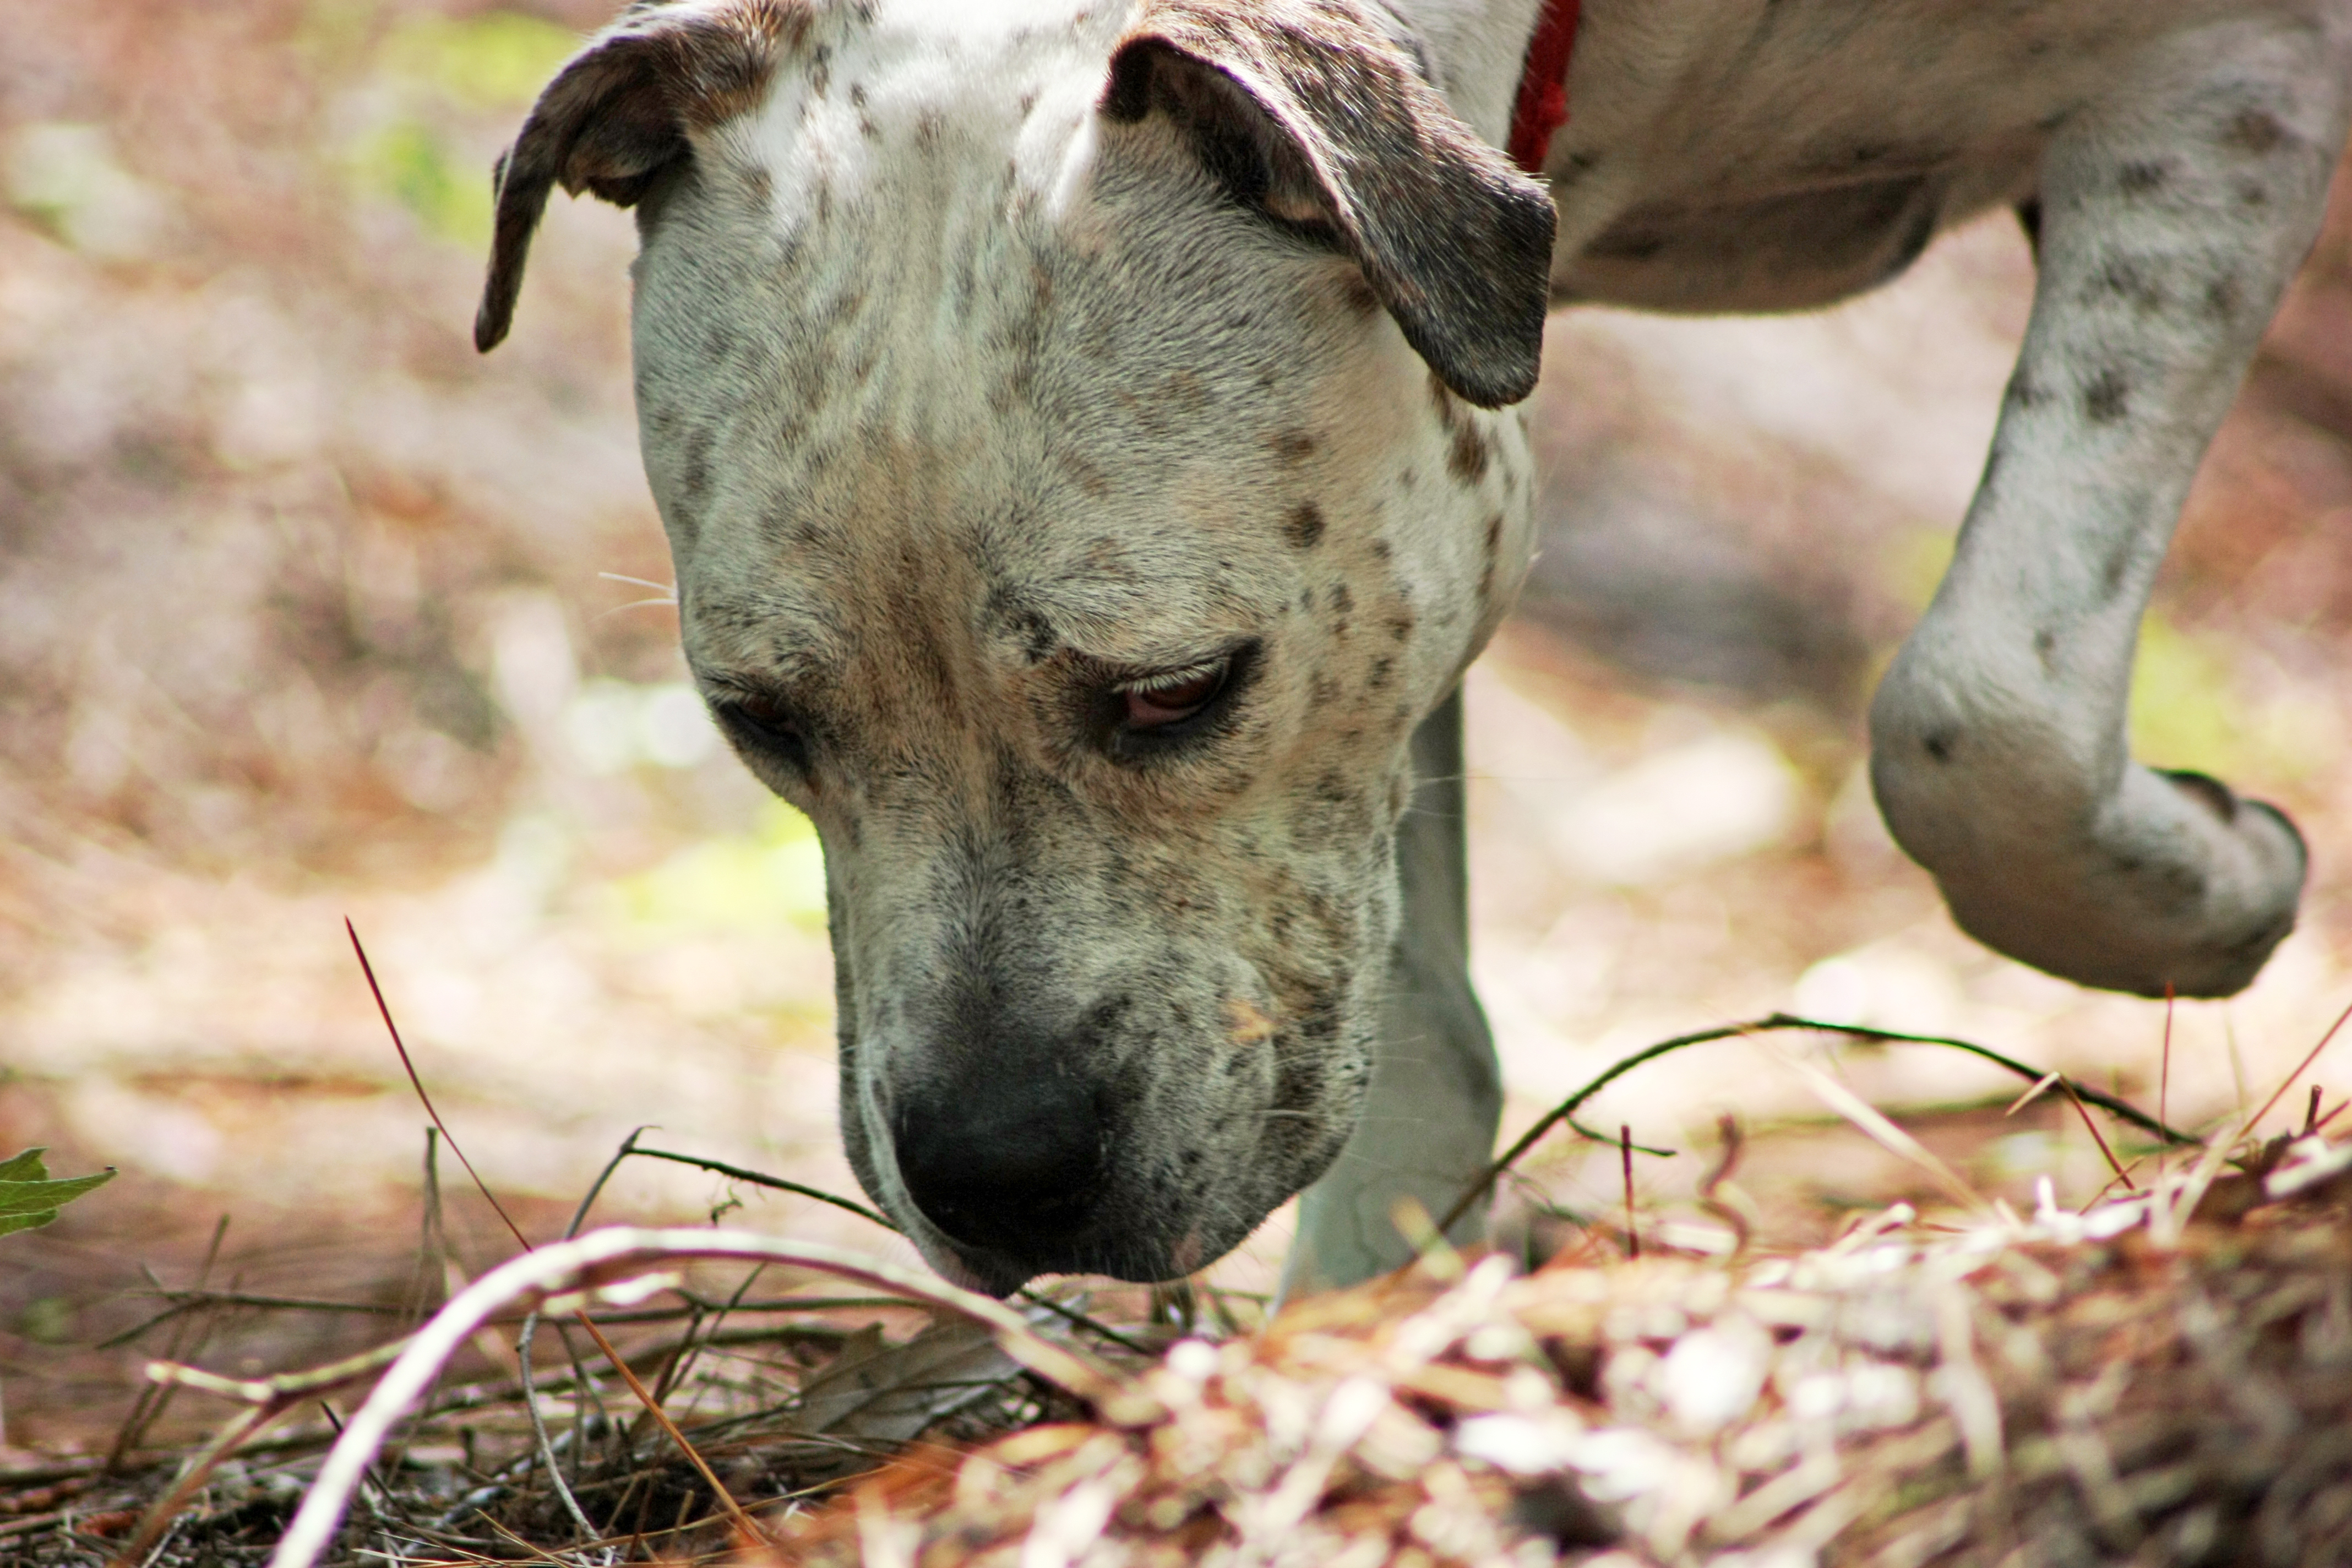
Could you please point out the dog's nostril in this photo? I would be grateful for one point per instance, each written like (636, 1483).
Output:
(1015, 1167)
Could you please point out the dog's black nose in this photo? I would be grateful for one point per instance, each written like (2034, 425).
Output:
(1014, 1162)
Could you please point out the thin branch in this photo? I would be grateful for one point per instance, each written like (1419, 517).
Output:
(758, 1179)
(761, 1179)
(1072, 1315)
(741, 1521)
(164, 1510)
(545, 1444)
(383, 1010)
(614, 1263)
(285, 1389)
(1768, 1023)
(2100, 1138)
(2300, 1068)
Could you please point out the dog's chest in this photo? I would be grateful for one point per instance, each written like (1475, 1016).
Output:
(1761, 155)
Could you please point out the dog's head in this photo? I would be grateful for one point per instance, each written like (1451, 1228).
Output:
(1073, 434)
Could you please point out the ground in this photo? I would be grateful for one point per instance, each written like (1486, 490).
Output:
(306, 613)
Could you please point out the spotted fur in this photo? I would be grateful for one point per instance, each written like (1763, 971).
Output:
(994, 355)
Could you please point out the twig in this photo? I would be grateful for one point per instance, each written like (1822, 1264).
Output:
(1592, 1135)
(287, 1388)
(2175, 1203)
(1626, 1148)
(546, 1445)
(613, 1263)
(161, 1514)
(269, 1399)
(850, 1205)
(186, 1301)
(1072, 1315)
(1771, 1022)
(2100, 1138)
(1884, 1132)
(383, 1010)
(2300, 1068)
(2163, 1078)
(757, 1179)
(1727, 1127)
(741, 1521)
(2040, 1087)
(660, 1417)
(149, 1407)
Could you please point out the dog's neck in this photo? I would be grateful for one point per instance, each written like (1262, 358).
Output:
(1473, 51)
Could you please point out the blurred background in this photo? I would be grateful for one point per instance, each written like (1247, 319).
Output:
(306, 612)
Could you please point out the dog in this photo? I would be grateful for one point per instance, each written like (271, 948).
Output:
(1085, 431)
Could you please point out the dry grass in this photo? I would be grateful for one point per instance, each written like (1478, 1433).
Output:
(2162, 1379)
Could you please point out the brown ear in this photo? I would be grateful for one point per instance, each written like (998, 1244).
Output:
(618, 115)
(1293, 101)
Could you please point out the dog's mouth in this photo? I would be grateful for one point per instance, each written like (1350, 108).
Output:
(992, 1272)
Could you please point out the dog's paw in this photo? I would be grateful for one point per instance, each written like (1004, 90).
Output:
(2174, 884)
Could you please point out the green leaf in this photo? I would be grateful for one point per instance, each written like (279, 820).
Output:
(28, 1198)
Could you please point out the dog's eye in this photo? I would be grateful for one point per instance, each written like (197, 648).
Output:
(764, 721)
(1172, 699)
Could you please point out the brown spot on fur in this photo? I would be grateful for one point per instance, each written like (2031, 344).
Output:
(1245, 1022)
(2107, 397)
(2254, 130)
(2124, 279)
(1304, 527)
(1292, 448)
(1183, 388)
(1466, 459)
(1441, 396)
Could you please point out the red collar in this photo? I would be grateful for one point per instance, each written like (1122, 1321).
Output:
(1542, 106)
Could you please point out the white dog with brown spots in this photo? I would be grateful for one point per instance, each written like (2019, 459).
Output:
(1084, 433)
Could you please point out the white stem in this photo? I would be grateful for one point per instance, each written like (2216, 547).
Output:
(606, 1257)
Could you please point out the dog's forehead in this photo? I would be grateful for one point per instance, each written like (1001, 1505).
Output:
(909, 335)
(879, 96)
(987, 553)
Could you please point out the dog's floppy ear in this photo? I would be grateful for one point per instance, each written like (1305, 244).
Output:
(1305, 110)
(618, 115)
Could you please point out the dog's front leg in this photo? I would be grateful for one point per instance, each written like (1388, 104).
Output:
(2174, 212)
(1436, 1096)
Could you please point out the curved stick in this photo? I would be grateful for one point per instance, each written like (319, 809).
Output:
(605, 1259)
(1566, 1109)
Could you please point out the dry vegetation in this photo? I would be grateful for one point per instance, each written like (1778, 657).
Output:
(308, 612)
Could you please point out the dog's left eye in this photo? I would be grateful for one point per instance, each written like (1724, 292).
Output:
(1172, 699)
